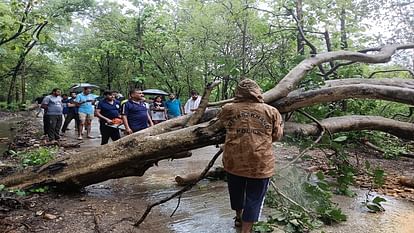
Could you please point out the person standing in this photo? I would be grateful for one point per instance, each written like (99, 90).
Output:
(251, 127)
(108, 110)
(65, 101)
(52, 104)
(192, 104)
(173, 106)
(86, 101)
(72, 113)
(158, 111)
(135, 113)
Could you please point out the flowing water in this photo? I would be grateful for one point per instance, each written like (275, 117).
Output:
(206, 207)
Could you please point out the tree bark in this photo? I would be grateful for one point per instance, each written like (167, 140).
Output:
(291, 80)
(299, 37)
(300, 99)
(352, 123)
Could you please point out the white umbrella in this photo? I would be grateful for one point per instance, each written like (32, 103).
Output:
(79, 87)
(154, 92)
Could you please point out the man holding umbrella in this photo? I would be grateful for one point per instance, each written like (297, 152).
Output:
(86, 102)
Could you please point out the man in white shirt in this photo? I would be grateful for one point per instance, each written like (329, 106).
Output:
(192, 104)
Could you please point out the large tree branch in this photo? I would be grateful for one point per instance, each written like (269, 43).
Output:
(389, 71)
(292, 79)
(353, 123)
(300, 99)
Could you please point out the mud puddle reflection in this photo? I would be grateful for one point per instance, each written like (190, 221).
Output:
(206, 208)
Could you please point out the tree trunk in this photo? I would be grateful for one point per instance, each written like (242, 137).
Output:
(134, 154)
(23, 84)
(299, 39)
(344, 37)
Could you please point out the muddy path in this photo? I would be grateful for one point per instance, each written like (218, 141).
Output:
(114, 205)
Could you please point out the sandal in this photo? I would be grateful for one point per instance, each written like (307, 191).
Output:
(237, 222)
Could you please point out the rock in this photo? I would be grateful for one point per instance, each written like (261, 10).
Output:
(87, 213)
(410, 190)
(40, 212)
(49, 216)
(82, 199)
(406, 181)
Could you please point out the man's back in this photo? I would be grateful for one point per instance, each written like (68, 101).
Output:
(251, 128)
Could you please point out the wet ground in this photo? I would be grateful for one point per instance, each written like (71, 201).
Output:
(113, 206)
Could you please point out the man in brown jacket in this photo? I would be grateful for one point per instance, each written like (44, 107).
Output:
(251, 127)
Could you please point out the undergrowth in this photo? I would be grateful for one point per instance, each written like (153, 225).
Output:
(312, 193)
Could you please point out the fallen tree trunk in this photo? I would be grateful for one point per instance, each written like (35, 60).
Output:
(134, 154)
(129, 156)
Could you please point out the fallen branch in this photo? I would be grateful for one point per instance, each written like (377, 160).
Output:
(292, 79)
(289, 199)
(389, 71)
(299, 99)
(180, 192)
(195, 118)
(322, 130)
(379, 149)
(352, 123)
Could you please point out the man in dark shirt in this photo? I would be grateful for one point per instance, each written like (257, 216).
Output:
(72, 113)
(107, 110)
(135, 113)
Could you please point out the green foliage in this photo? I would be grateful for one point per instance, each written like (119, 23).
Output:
(38, 156)
(374, 205)
(310, 192)
(39, 189)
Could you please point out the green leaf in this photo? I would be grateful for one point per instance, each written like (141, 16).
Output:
(2, 187)
(320, 175)
(340, 139)
(378, 200)
(367, 165)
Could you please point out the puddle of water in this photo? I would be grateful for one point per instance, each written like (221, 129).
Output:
(206, 207)
(397, 218)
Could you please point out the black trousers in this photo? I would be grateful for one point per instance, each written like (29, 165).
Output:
(108, 132)
(247, 194)
(68, 119)
(45, 124)
(55, 122)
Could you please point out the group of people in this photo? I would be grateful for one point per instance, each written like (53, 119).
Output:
(134, 113)
(251, 127)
